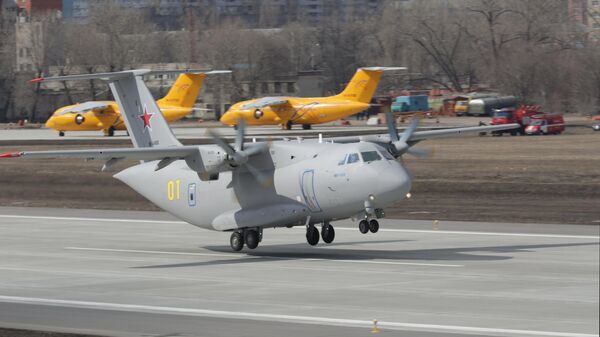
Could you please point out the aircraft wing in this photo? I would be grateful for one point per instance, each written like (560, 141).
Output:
(144, 153)
(264, 102)
(428, 134)
(83, 107)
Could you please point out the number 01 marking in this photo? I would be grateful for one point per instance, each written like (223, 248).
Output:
(174, 190)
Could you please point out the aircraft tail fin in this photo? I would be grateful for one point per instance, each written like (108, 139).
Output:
(363, 84)
(184, 91)
(145, 122)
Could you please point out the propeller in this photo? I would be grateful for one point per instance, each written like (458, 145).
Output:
(400, 145)
(238, 155)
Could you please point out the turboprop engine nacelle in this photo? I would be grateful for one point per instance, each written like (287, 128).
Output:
(206, 162)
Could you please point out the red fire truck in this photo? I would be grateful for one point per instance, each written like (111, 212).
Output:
(530, 118)
(521, 116)
(544, 124)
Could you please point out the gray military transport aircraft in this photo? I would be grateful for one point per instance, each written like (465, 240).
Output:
(246, 187)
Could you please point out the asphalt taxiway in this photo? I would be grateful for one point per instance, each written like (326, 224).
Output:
(147, 274)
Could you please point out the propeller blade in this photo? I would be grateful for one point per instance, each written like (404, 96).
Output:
(391, 125)
(239, 136)
(410, 130)
(221, 142)
(256, 149)
(261, 176)
(419, 152)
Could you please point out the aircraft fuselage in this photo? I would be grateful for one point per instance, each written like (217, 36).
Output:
(315, 183)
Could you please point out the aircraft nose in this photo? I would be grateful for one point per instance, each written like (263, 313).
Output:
(229, 118)
(50, 124)
(393, 183)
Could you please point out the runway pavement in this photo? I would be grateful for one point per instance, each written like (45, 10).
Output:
(147, 274)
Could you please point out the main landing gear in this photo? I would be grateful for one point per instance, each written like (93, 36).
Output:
(249, 236)
(327, 233)
(364, 226)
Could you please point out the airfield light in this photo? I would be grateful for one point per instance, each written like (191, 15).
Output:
(408, 195)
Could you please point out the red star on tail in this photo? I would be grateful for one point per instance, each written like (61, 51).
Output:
(146, 118)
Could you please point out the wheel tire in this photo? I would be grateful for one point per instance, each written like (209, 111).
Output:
(373, 226)
(312, 235)
(306, 127)
(236, 241)
(251, 239)
(288, 125)
(327, 233)
(111, 131)
(363, 226)
(61, 133)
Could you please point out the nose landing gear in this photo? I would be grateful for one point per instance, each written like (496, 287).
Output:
(364, 226)
(327, 232)
(312, 235)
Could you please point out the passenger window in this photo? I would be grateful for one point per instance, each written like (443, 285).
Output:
(343, 161)
(353, 158)
(370, 156)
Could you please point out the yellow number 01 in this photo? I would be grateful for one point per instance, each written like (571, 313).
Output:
(174, 190)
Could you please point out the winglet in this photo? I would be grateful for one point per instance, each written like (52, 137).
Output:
(11, 154)
(37, 80)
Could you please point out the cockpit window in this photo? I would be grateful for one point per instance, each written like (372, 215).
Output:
(343, 161)
(353, 158)
(370, 156)
(387, 155)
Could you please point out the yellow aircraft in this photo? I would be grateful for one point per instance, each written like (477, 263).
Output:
(286, 111)
(105, 115)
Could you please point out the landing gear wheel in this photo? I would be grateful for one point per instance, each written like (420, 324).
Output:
(306, 127)
(363, 226)
(61, 133)
(236, 241)
(111, 131)
(373, 226)
(327, 233)
(312, 235)
(288, 125)
(252, 239)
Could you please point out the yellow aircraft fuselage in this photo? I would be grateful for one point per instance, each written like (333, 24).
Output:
(105, 115)
(286, 111)
(94, 120)
(299, 110)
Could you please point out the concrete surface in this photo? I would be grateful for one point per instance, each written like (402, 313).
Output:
(146, 274)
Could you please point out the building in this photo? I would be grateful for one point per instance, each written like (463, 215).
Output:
(586, 13)
(38, 7)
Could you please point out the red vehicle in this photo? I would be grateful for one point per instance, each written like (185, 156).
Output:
(521, 116)
(545, 124)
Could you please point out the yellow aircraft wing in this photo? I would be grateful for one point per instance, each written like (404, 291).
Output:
(265, 101)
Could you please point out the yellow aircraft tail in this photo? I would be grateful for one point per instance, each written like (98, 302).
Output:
(184, 91)
(363, 84)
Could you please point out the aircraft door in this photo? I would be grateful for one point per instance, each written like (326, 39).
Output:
(192, 195)
(308, 190)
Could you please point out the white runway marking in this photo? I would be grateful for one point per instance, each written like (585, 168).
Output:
(261, 257)
(535, 235)
(285, 318)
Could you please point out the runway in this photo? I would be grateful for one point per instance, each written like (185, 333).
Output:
(123, 273)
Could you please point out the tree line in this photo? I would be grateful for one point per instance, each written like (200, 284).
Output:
(531, 49)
